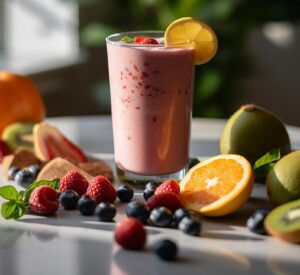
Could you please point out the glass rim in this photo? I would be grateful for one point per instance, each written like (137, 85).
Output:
(137, 33)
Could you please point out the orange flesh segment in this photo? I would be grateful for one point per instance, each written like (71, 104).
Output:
(213, 181)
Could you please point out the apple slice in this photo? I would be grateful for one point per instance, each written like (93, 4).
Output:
(50, 143)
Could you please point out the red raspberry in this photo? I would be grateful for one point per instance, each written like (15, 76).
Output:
(4, 150)
(102, 190)
(167, 199)
(168, 186)
(75, 181)
(144, 40)
(44, 200)
(130, 234)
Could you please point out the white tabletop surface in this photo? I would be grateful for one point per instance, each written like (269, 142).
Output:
(69, 243)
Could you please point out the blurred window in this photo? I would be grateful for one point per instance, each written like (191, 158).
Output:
(38, 35)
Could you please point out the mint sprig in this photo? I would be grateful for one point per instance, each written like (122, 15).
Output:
(127, 39)
(17, 202)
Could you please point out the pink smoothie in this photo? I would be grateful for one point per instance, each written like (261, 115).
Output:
(151, 97)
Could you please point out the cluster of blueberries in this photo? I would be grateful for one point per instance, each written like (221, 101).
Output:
(24, 177)
(186, 221)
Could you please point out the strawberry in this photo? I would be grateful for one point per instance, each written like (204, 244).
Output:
(44, 200)
(145, 40)
(167, 199)
(4, 150)
(75, 181)
(102, 190)
(130, 234)
(168, 186)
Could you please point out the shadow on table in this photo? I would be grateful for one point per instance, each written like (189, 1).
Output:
(73, 219)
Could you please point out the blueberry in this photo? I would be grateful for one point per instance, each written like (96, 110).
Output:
(256, 222)
(152, 185)
(86, 205)
(138, 210)
(69, 199)
(148, 193)
(35, 169)
(161, 217)
(12, 172)
(193, 162)
(179, 214)
(166, 250)
(24, 178)
(125, 193)
(106, 211)
(190, 226)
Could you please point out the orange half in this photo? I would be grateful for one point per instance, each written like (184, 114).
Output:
(217, 186)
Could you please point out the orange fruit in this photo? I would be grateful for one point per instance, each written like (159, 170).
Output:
(191, 32)
(217, 186)
(20, 100)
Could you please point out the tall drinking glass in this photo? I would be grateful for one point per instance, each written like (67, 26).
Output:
(151, 88)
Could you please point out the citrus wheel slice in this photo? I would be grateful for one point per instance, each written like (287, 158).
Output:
(217, 186)
(193, 33)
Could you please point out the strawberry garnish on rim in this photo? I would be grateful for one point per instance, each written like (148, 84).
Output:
(145, 40)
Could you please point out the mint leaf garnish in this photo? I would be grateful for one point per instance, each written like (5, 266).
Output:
(8, 208)
(15, 207)
(54, 184)
(268, 158)
(8, 192)
(127, 39)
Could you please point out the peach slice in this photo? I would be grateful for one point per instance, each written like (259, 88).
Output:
(50, 143)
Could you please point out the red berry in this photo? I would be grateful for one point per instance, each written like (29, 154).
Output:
(139, 39)
(44, 200)
(102, 190)
(149, 41)
(168, 186)
(131, 234)
(145, 40)
(167, 199)
(75, 181)
(4, 150)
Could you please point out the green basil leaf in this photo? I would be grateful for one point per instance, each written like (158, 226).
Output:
(8, 209)
(54, 184)
(127, 39)
(19, 211)
(21, 195)
(9, 192)
(268, 158)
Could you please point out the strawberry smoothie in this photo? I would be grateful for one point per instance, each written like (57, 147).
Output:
(151, 90)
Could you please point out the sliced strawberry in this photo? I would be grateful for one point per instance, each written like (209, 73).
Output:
(4, 150)
(139, 39)
(145, 40)
(49, 143)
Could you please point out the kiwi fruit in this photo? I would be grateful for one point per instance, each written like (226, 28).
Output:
(18, 135)
(283, 180)
(283, 222)
(252, 132)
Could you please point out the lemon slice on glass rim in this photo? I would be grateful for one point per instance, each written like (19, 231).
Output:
(193, 33)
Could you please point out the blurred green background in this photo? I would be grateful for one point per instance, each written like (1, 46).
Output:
(217, 82)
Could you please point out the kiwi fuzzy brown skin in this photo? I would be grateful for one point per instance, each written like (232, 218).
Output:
(274, 223)
(253, 131)
(282, 182)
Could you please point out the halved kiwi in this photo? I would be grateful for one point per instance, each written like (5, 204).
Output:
(283, 222)
(18, 135)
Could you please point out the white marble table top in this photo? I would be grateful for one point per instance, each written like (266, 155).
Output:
(69, 243)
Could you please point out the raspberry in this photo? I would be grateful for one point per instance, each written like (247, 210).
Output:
(102, 190)
(44, 200)
(130, 234)
(167, 199)
(75, 181)
(168, 186)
